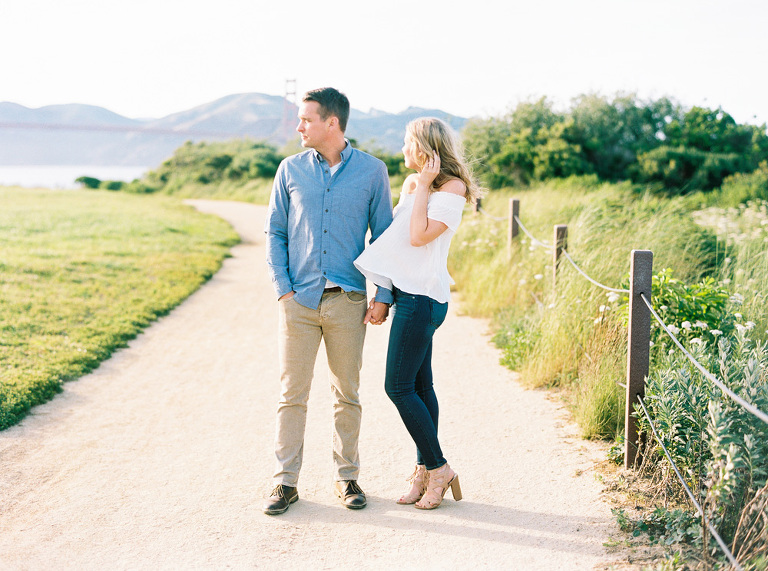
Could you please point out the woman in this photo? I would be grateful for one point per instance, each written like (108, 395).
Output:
(410, 258)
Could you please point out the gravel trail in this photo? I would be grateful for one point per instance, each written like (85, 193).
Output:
(160, 458)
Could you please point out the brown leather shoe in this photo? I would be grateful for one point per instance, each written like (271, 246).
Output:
(352, 496)
(280, 500)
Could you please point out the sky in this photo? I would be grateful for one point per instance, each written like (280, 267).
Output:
(475, 58)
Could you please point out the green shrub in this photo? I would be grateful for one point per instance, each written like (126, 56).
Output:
(112, 185)
(682, 169)
(695, 313)
(238, 170)
(742, 187)
(89, 182)
(516, 339)
(720, 448)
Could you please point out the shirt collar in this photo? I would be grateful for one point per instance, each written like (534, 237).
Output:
(345, 154)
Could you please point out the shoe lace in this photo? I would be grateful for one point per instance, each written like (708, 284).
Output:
(418, 473)
(353, 488)
(278, 491)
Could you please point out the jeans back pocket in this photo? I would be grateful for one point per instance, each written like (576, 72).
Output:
(438, 311)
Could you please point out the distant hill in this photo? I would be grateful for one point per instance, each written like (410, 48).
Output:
(78, 134)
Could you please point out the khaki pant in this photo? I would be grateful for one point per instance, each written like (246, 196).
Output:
(339, 321)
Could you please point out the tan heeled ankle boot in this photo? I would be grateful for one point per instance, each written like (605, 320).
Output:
(418, 482)
(438, 482)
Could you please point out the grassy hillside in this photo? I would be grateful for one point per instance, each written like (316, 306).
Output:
(84, 272)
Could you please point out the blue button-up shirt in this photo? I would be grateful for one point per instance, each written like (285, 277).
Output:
(317, 222)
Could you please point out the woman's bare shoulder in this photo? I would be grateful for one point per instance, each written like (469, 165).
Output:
(410, 183)
(454, 186)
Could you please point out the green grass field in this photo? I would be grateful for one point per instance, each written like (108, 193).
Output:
(82, 272)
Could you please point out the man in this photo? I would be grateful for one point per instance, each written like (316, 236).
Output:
(323, 202)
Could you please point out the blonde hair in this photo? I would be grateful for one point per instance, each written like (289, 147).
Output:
(432, 136)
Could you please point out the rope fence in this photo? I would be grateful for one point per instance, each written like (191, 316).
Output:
(484, 212)
(746, 405)
(638, 347)
(688, 491)
(598, 284)
(534, 241)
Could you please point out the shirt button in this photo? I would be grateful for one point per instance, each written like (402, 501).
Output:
(328, 190)
(325, 231)
(324, 252)
(326, 210)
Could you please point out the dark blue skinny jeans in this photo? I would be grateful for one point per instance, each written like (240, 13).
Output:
(408, 380)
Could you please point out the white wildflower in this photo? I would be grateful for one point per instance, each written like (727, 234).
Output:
(716, 332)
(551, 306)
(613, 297)
(750, 325)
(663, 308)
(696, 341)
(673, 330)
(737, 315)
(651, 344)
(726, 281)
(740, 328)
(701, 325)
(523, 281)
(538, 276)
(686, 325)
(603, 308)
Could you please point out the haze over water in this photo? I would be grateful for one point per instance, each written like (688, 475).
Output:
(63, 176)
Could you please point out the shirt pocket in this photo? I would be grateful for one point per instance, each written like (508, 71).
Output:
(352, 202)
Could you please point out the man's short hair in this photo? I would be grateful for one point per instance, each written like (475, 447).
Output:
(332, 102)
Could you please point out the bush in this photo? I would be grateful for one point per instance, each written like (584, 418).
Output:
(682, 169)
(742, 187)
(227, 169)
(88, 182)
(112, 185)
(696, 313)
(622, 138)
(720, 448)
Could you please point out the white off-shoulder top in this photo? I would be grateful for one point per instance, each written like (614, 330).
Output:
(392, 260)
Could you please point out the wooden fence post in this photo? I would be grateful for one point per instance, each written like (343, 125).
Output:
(561, 243)
(478, 205)
(512, 227)
(638, 345)
(514, 214)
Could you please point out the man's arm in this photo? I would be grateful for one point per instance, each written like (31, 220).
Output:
(276, 230)
(379, 219)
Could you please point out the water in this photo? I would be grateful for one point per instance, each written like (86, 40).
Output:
(63, 176)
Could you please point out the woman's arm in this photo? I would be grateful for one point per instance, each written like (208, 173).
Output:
(424, 229)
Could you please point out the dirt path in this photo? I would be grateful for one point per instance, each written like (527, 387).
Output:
(159, 459)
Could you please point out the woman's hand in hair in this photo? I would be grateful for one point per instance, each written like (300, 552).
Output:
(429, 171)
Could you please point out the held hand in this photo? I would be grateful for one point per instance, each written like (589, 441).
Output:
(288, 295)
(429, 171)
(377, 313)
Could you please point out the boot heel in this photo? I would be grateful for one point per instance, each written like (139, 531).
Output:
(456, 488)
